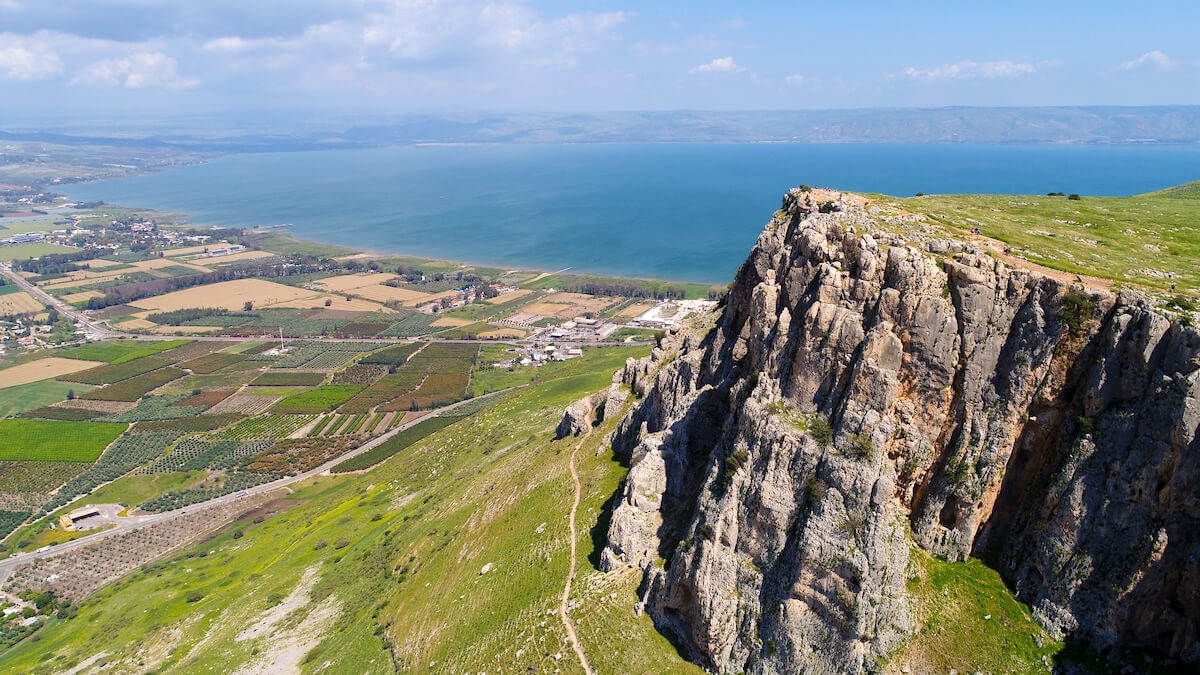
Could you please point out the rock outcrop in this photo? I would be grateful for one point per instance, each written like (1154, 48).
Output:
(869, 387)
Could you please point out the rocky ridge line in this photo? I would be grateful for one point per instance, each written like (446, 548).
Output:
(871, 386)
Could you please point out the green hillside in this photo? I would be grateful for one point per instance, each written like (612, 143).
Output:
(1186, 191)
(391, 560)
(1150, 240)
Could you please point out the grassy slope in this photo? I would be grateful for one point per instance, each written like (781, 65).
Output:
(1185, 191)
(1116, 238)
(446, 506)
(969, 622)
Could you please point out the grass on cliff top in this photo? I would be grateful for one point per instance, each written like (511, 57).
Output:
(394, 558)
(1135, 240)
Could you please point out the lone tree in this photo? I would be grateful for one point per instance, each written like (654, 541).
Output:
(247, 306)
(70, 394)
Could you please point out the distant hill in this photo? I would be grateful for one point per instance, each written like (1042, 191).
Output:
(1186, 191)
(1076, 125)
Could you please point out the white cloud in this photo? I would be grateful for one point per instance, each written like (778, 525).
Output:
(795, 78)
(724, 64)
(226, 44)
(20, 62)
(965, 70)
(140, 70)
(1152, 59)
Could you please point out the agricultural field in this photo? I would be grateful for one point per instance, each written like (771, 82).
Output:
(361, 374)
(265, 426)
(230, 295)
(391, 356)
(157, 407)
(323, 355)
(211, 488)
(131, 491)
(117, 372)
(211, 363)
(281, 379)
(295, 456)
(243, 404)
(125, 454)
(321, 399)
(436, 375)
(135, 387)
(120, 351)
(32, 250)
(42, 369)
(193, 423)
(391, 446)
(19, 302)
(413, 325)
(55, 440)
(25, 486)
(54, 412)
(25, 397)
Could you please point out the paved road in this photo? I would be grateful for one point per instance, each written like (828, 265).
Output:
(136, 522)
(92, 329)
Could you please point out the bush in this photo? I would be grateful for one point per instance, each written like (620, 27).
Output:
(1073, 197)
(321, 543)
(1077, 309)
(821, 432)
(1087, 425)
(341, 543)
(825, 207)
(860, 447)
(194, 596)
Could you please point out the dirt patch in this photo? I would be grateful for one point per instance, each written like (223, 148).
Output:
(287, 645)
(271, 618)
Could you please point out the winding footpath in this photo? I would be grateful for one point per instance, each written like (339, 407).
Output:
(566, 595)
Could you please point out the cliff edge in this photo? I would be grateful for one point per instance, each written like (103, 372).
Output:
(869, 386)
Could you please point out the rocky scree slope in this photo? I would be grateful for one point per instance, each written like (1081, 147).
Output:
(863, 392)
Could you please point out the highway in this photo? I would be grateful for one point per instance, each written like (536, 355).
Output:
(92, 329)
(137, 522)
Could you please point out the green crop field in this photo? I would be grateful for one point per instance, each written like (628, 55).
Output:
(130, 491)
(135, 387)
(55, 440)
(24, 397)
(117, 372)
(34, 250)
(120, 351)
(321, 399)
(285, 379)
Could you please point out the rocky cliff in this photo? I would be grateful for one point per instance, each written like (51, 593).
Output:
(869, 386)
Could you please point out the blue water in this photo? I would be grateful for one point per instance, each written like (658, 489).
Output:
(672, 211)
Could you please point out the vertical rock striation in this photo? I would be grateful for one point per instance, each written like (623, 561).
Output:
(868, 388)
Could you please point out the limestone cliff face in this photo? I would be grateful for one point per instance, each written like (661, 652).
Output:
(868, 387)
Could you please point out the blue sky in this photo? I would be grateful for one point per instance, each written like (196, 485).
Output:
(125, 57)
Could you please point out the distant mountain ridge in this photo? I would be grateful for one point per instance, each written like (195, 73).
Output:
(1058, 125)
